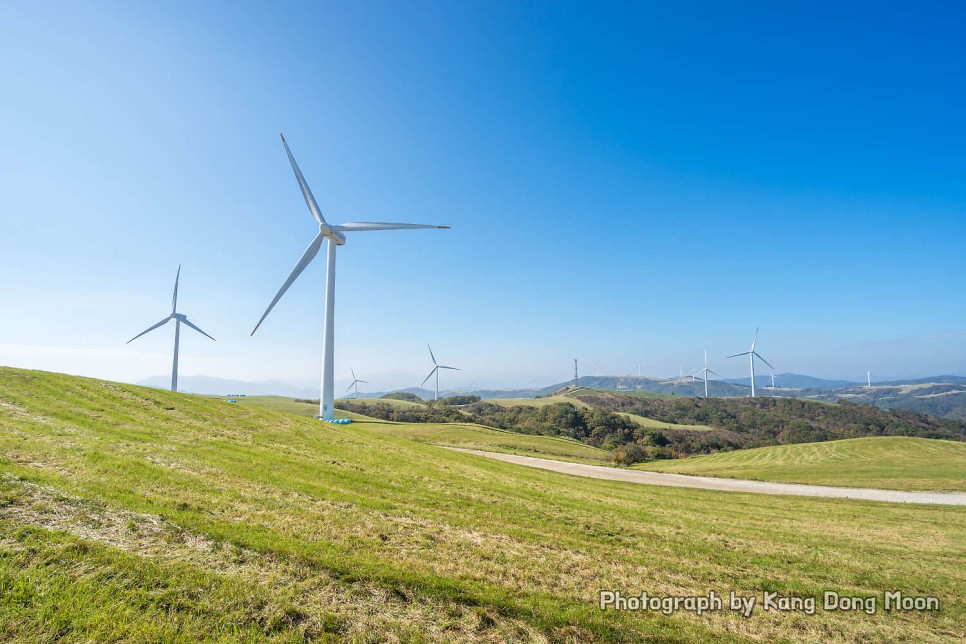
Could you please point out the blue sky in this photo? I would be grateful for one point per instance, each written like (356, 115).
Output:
(624, 184)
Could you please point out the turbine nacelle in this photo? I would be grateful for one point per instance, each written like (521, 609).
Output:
(332, 234)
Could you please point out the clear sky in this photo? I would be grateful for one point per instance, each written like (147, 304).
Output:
(625, 184)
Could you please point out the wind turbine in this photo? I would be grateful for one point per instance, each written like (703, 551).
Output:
(704, 372)
(355, 383)
(436, 368)
(335, 235)
(178, 318)
(773, 381)
(752, 354)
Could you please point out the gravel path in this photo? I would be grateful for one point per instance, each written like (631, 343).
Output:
(728, 485)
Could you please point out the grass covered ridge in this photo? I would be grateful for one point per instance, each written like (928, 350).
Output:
(888, 462)
(134, 513)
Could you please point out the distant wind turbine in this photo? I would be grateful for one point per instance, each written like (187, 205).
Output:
(355, 383)
(773, 381)
(178, 318)
(752, 354)
(436, 368)
(335, 235)
(704, 372)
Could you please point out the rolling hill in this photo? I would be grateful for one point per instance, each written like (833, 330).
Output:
(887, 462)
(136, 514)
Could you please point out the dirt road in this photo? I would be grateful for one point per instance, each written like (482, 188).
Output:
(727, 485)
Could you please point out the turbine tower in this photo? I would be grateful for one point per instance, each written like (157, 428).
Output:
(436, 368)
(773, 381)
(576, 377)
(752, 354)
(335, 236)
(704, 372)
(178, 318)
(868, 375)
(355, 383)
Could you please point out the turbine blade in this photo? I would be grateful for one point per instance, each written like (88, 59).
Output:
(363, 382)
(174, 298)
(453, 368)
(349, 388)
(429, 376)
(709, 371)
(362, 226)
(755, 341)
(763, 360)
(306, 259)
(353, 372)
(740, 354)
(185, 320)
(306, 192)
(150, 328)
(431, 354)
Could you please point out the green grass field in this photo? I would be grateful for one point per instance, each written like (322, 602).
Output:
(136, 514)
(889, 462)
(284, 405)
(470, 436)
(465, 435)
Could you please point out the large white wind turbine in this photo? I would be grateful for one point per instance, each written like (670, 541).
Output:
(704, 372)
(335, 235)
(355, 383)
(178, 318)
(436, 368)
(752, 354)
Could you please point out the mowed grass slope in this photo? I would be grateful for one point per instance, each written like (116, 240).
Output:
(138, 514)
(889, 462)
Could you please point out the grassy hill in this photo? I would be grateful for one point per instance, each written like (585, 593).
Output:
(538, 402)
(580, 404)
(136, 514)
(890, 462)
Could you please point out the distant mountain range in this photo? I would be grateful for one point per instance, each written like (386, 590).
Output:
(793, 381)
(940, 396)
(223, 387)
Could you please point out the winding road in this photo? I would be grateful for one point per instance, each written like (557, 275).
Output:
(726, 485)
